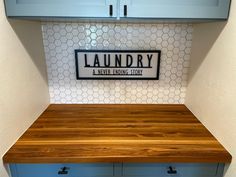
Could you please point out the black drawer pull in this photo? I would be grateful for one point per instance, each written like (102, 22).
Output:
(125, 11)
(63, 171)
(111, 10)
(171, 170)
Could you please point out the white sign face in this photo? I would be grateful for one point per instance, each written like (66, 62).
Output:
(114, 64)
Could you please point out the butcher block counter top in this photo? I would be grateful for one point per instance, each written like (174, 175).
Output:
(116, 133)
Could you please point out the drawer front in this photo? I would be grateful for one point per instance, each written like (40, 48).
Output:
(170, 169)
(197, 170)
(56, 170)
(144, 169)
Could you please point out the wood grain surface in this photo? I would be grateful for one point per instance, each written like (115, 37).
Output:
(116, 133)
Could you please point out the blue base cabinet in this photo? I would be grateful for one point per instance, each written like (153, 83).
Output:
(118, 169)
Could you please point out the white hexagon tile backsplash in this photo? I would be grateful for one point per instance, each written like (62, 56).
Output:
(60, 39)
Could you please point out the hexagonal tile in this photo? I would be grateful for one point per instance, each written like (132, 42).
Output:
(60, 40)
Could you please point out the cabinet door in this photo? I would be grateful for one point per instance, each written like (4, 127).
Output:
(175, 9)
(61, 8)
(56, 170)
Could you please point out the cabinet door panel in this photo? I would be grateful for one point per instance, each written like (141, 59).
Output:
(60, 8)
(51, 170)
(185, 9)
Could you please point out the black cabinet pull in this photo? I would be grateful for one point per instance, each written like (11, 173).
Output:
(171, 170)
(63, 171)
(111, 10)
(125, 11)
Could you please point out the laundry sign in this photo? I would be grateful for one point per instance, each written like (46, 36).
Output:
(118, 64)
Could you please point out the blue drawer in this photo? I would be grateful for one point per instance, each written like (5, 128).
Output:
(51, 170)
(172, 170)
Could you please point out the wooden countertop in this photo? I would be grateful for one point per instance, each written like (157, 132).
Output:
(116, 133)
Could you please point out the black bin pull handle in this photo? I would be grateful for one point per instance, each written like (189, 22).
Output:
(63, 171)
(125, 10)
(171, 170)
(111, 10)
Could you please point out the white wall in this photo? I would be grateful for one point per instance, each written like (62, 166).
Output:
(211, 92)
(23, 79)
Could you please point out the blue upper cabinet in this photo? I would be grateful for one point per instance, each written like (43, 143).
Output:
(141, 9)
(175, 9)
(61, 8)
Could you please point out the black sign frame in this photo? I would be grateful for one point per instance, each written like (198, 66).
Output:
(116, 51)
